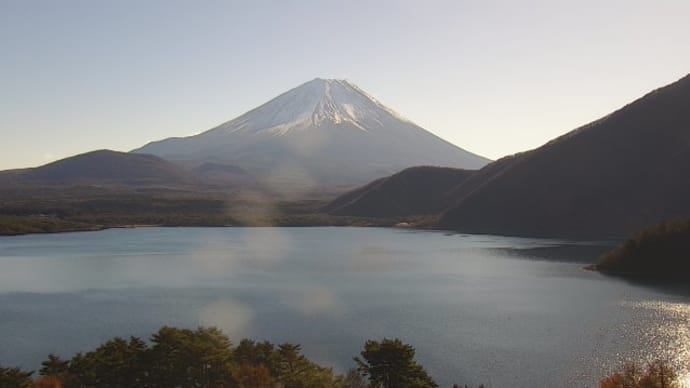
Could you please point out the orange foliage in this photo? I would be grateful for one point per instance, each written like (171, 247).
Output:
(250, 376)
(657, 375)
(48, 382)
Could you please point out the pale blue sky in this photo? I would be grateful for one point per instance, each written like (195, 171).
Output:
(494, 77)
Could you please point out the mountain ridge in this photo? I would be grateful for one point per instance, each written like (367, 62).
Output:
(415, 191)
(323, 106)
(102, 167)
(323, 132)
(618, 174)
(606, 179)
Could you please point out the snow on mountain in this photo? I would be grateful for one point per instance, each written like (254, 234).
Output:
(325, 132)
(314, 103)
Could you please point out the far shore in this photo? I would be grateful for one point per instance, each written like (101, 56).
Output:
(21, 226)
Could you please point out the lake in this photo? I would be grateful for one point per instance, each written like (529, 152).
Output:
(479, 309)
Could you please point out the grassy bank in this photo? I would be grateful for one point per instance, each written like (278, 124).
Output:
(18, 225)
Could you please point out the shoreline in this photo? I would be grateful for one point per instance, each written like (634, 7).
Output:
(421, 223)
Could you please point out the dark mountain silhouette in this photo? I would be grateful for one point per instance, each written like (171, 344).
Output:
(612, 177)
(414, 191)
(102, 167)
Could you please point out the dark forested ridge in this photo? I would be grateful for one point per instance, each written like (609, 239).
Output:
(609, 178)
(658, 253)
(101, 167)
(104, 188)
(81, 208)
(413, 191)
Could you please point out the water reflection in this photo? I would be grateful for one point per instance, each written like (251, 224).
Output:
(476, 311)
(669, 339)
(316, 301)
(232, 317)
(585, 252)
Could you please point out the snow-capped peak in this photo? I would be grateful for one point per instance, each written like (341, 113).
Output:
(323, 133)
(313, 104)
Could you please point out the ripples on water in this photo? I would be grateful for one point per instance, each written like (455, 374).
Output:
(669, 339)
(479, 309)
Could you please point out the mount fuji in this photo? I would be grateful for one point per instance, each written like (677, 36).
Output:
(323, 133)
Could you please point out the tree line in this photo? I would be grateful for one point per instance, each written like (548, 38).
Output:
(205, 357)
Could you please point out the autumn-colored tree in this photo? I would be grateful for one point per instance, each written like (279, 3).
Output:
(48, 382)
(253, 376)
(391, 364)
(657, 374)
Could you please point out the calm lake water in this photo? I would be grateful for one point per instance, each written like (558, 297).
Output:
(478, 309)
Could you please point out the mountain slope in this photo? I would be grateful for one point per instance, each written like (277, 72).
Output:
(609, 178)
(102, 167)
(322, 133)
(413, 191)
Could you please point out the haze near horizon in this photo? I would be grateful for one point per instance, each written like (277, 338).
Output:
(494, 78)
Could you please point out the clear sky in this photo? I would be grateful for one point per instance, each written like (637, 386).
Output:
(493, 77)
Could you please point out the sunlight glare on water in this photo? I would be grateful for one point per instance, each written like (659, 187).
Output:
(479, 309)
(673, 330)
